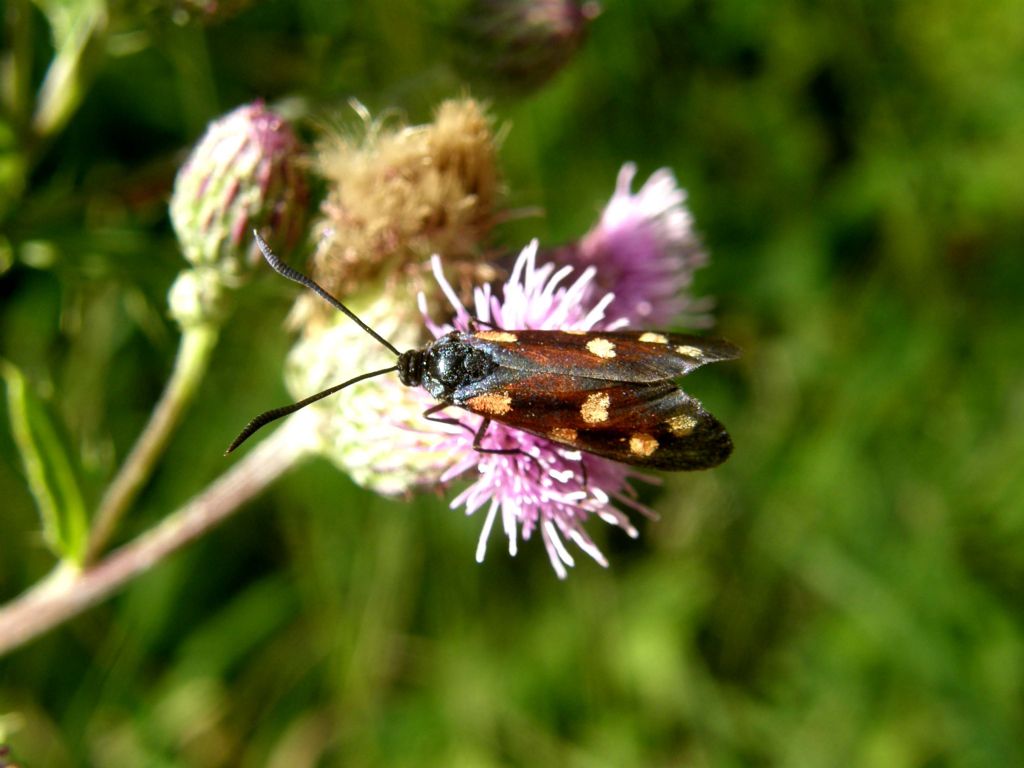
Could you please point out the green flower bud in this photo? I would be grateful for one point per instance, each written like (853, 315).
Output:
(245, 173)
(518, 45)
(374, 430)
(198, 297)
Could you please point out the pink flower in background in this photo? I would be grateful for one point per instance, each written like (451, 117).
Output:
(550, 489)
(645, 251)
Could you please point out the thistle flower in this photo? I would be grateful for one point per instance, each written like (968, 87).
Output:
(546, 488)
(246, 172)
(518, 45)
(646, 251)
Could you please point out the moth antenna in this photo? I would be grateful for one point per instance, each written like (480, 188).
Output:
(292, 274)
(276, 413)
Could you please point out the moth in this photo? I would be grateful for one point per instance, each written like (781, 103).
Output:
(609, 393)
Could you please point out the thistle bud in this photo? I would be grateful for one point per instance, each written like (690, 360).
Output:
(518, 45)
(207, 11)
(245, 173)
(5, 757)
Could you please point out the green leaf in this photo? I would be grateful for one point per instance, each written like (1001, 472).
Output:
(51, 479)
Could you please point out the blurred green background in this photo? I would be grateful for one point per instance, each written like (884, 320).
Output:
(847, 590)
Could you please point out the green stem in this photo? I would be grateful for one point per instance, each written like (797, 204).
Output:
(70, 74)
(194, 352)
(68, 591)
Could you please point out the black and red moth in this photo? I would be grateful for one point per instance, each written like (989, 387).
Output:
(610, 393)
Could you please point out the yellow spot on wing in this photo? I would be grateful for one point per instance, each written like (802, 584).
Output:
(496, 336)
(576, 333)
(601, 347)
(563, 434)
(653, 338)
(681, 425)
(595, 408)
(491, 403)
(642, 444)
(686, 349)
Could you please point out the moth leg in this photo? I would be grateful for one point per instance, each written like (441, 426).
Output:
(583, 470)
(504, 451)
(476, 321)
(429, 416)
(478, 434)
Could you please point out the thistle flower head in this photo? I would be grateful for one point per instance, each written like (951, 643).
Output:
(375, 430)
(546, 488)
(518, 45)
(246, 172)
(397, 195)
(646, 251)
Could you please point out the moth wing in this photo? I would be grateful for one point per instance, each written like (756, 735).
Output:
(613, 356)
(670, 431)
(538, 402)
(652, 425)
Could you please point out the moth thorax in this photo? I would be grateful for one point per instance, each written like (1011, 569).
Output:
(410, 367)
